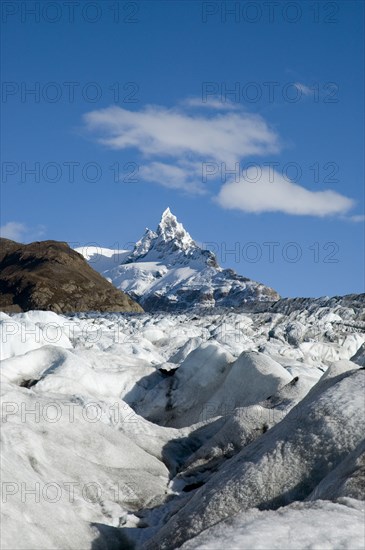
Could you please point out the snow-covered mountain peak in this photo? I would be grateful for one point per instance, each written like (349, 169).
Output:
(170, 242)
(143, 246)
(170, 229)
(168, 270)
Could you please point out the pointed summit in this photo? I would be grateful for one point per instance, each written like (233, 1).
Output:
(167, 220)
(170, 229)
(166, 213)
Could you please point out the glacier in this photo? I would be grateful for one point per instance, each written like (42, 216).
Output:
(195, 429)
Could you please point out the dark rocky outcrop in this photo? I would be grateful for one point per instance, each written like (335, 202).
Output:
(49, 275)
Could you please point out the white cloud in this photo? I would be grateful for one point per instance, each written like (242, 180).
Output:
(157, 131)
(187, 139)
(305, 90)
(20, 232)
(13, 230)
(273, 193)
(357, 218)
(176, 142)
(211, 103)
(183, 177)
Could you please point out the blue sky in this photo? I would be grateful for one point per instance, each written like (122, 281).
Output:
(132, 113)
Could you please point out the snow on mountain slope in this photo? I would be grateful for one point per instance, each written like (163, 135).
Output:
(103, 259)
(167, 270)
(140, 431)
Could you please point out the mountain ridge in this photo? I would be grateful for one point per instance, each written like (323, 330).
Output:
(167, 270)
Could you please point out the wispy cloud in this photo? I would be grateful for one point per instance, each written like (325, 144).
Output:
(273, 193)
(305, 90)
(18, 231)
(186, 177)
(178, 141)
(175, 143)
(357, 218)
(210, 103)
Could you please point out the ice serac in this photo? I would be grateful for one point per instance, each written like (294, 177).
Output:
(214, 429)
(167, 270)
(284, 465)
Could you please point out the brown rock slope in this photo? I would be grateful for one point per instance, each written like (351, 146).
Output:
(49, 275)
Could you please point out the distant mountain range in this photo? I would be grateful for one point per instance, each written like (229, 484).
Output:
(168, 271)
